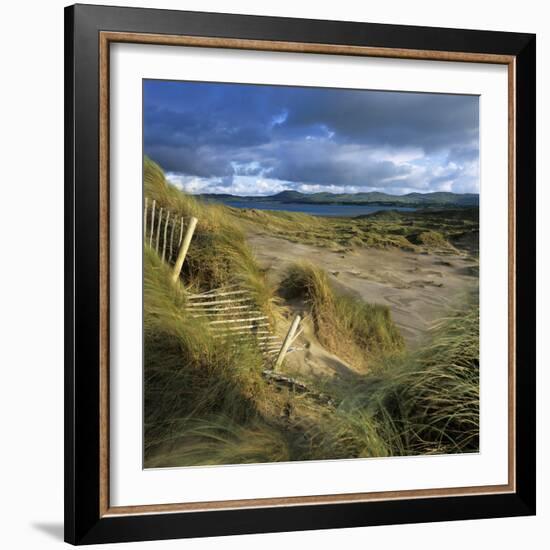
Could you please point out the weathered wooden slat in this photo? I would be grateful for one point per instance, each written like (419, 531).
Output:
(182, 252)
(241, 323)
(218, 302)
(165, 235)
(226, 313)
(247, 336)
(207, 293)
(242, 327)
(287, 341)
(235, 319)
(227, 308)
(202, 296)
(181, 232)
(157, 240)
(226, 334)
(245, 320)
(171, 251)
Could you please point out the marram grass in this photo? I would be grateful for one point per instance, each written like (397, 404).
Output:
(427, 402)
(206, 402)
(357, 331)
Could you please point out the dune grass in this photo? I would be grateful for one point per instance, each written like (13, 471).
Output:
(441, 231)
(426, 402)
(207, 441)
(354, 330)
(206, 402)
(189, 375)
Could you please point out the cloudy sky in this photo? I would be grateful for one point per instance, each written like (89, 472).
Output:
(259, 140)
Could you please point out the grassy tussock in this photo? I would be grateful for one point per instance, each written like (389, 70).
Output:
(354, 330)
(219, 440)
(432, 240)
(188, 373)
(355, 434)
(429, 230)
(427, 402)
(277, 222)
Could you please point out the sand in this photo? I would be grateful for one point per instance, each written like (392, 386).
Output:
(419, 288)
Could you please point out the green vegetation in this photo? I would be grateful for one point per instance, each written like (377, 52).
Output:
(206, 400)
(437, 199)
(442, 231)
(354, 330)
(189, 374)
(426, 402)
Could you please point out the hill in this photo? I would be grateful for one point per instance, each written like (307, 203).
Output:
(436, 199)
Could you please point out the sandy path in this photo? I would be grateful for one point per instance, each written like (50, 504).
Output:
(418, 288)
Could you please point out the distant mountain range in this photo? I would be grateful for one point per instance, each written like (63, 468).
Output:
(375, 198)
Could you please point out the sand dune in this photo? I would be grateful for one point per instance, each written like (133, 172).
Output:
(419, 288)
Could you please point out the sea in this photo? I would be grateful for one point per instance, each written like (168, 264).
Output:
(337, 210)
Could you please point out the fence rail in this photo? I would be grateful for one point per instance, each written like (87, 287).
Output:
(241, 324)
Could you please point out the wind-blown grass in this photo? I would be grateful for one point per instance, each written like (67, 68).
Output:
(355, 330)
(220, 440)
(189, 373)
(206, 402)
(434, 230)
(426, 402)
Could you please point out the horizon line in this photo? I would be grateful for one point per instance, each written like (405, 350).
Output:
(340, 193)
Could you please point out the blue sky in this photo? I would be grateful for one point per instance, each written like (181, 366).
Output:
(260, 140)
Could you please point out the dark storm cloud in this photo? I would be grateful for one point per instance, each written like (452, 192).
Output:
(330, 163)
(430, 121)
(312, 136)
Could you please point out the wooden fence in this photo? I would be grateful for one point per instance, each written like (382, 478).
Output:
(162, 230)
(231, 311)
(233, 315)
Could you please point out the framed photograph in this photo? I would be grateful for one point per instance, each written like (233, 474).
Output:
(300, 274)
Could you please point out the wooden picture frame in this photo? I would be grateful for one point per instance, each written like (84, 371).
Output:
(89, 33)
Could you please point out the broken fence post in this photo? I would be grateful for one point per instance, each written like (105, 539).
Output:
(183, 249)
(287, 341)
(158, 231)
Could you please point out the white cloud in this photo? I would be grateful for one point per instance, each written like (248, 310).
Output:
(279, 119)
(390, 170)
(234, 185)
